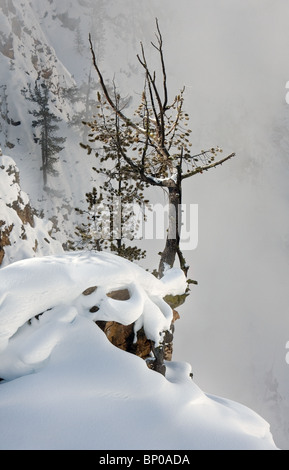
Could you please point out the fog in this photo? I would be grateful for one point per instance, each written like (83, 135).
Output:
(233, 58)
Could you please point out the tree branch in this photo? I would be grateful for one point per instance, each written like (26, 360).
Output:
(159, 117)
(200, 169)
(137, 169)
(107, 95)
(152, 86)
(160, 49)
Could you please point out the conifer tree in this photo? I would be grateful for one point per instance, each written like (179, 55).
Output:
(112, 219)
(151, 148)
(47, 122)
(83, 98)
(153, 144)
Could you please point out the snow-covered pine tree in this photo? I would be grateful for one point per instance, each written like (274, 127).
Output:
(47, 122)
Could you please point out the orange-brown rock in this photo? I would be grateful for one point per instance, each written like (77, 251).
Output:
(4, 238)
(24, 213)
(124, 337)
(121, 294)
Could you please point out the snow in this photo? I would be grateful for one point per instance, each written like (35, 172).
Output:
(67, 387)
(44, 283)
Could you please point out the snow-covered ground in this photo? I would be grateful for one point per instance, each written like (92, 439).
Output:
(67, 387)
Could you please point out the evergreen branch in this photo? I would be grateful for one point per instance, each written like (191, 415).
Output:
(151, 83)
(200, 169)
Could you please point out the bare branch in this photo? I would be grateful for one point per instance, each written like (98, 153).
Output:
(146, 125)
(150, 81)
(107, 95)
(159, 117)
(160, 49)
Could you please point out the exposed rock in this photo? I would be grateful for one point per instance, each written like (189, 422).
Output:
(4, 238)
(24, 212)
(89, 290)
(121, 294)
(124, 337)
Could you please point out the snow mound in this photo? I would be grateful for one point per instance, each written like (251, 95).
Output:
(73, 389)
(54, 285)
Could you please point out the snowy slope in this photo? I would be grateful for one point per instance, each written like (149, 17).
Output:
(22, 233)
(50, 40)
(31, 55)
(75, 390)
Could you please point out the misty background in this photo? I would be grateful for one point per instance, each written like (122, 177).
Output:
(233, 58)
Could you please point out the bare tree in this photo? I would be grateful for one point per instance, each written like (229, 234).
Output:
(155, 144)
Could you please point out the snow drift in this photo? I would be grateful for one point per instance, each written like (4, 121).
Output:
(67, 387)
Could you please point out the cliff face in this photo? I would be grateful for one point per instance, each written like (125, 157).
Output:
(22, 233)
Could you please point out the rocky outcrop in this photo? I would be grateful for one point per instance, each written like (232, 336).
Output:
(4, 238)
(125, 338)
